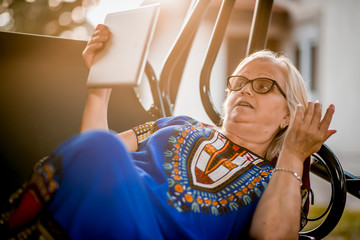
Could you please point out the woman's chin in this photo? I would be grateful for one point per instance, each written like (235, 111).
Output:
(240, 119)
(241, 114)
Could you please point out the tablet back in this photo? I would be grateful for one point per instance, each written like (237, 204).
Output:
(123, 59)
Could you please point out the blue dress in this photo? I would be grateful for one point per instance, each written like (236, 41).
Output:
(186, 181)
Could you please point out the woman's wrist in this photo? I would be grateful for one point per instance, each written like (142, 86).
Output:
(295, 174)
(100, 93)
(289, 160)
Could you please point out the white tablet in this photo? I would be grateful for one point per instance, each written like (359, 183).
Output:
(123, 59)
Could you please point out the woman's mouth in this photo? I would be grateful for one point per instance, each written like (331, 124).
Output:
(244, 104)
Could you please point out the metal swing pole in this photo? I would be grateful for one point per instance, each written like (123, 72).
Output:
(257, 40)
(260, 25)
(212, 51)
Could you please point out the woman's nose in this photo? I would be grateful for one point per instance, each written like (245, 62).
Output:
(247, 89)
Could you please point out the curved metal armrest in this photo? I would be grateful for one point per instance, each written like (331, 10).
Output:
(327, 166)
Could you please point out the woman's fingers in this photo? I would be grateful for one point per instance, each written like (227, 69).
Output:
(100, 36)
(101, 27)
(308, 130)
(316, 118)
(317, 126)
(325, 123)
(308, 115)
(312, 117)
(295, 122)
(329, 133)
(298, 118)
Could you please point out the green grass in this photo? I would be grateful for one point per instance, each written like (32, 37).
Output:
(348, 227)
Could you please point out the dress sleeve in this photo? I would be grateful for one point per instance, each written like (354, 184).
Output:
(144, 131)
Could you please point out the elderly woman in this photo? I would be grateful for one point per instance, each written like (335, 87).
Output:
(178, 178)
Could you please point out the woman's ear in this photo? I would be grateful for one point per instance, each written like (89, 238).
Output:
(285, 122)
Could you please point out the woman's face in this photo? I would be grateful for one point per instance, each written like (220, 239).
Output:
(257, 115)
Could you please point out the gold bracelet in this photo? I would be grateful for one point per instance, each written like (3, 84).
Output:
(290, 171)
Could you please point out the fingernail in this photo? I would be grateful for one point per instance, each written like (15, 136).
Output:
(317, 101)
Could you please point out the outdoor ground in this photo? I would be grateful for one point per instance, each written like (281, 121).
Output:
(347, 229)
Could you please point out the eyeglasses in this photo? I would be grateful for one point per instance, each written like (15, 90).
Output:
(259, 85)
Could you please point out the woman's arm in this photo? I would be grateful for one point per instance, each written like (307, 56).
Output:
(96, 106)
(130, 139)
(95, 111)
(277, 215)
(95, 117)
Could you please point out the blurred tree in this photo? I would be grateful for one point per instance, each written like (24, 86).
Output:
(46, 17)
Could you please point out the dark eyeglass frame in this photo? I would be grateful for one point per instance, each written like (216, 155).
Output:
(252, 84)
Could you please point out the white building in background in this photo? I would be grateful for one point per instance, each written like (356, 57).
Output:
(327, 34)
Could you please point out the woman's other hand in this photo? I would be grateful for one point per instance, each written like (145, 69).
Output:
(98, 39)
(308, 131)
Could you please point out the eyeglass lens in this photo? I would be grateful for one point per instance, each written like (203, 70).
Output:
(260, 85)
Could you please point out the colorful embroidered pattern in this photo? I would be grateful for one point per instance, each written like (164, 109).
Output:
(208, 173)
(45, 179)
(36, 193)
(144, 131)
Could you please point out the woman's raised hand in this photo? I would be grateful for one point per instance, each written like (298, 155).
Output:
(95, 111)
(100, 36)
(308, 131)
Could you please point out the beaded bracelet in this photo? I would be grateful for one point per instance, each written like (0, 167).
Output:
(290, 171)
(143, 131)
